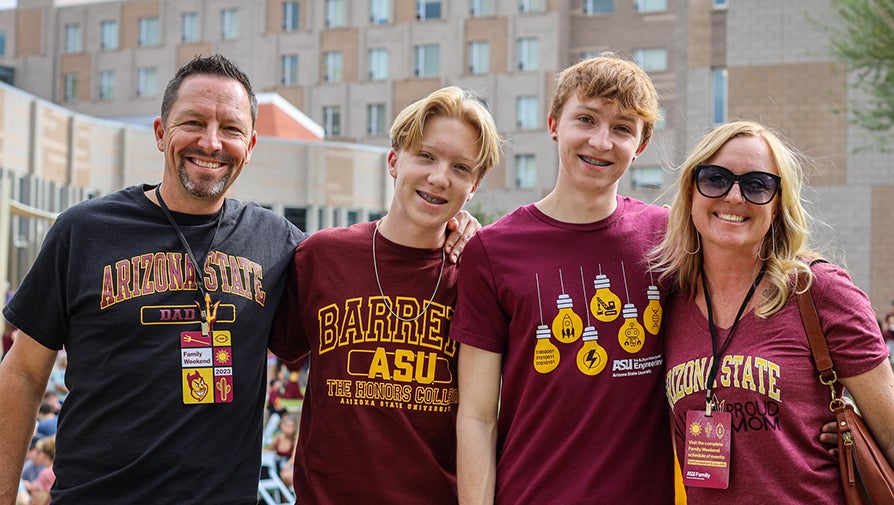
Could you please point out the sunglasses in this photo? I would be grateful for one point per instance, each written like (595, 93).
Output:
(715, 181)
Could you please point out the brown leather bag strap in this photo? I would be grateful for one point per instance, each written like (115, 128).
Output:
(815, 337)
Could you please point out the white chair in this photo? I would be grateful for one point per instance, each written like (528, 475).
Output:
(271, 489)
(270, 428)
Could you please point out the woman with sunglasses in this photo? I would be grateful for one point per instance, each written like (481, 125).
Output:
(735, 346)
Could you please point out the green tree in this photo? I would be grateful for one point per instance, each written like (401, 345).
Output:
(865, 40)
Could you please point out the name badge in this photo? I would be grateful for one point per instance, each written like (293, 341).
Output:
(706, 456)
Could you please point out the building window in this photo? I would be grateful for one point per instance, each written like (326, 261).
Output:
(289, 69)
(481, 8)
(335, 13)
(2, 43)
(651, 60)
(528, 49)
(296, 216)
(530, 6)
(721, 4)
(289, 16)
(147, 33)
(479, 57)
(593, 7)
(378, 64)
(718, 94)
(375, 119)
(147, 81)
(650, 5)
(428, 9)
(72, 38)
(107, 85)
(527, 112)
(189, 30)
(70, 93)
(647, 177)
(108, 33)
(428, 60)
(332, 66)
(525, 171)
(322, 215)
(332, 120)
(378, 11)
(229, 24)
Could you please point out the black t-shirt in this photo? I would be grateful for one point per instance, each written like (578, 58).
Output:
(158, 412)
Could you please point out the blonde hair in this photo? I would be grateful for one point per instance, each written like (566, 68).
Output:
(449, 102)
(614, 80)
(679, 258)
(47, 445)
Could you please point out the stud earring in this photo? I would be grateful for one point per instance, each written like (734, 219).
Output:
(555, 138)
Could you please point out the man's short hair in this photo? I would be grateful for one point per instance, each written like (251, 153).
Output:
(215, 65)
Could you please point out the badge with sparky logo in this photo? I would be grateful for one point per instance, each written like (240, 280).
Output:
(206, 360)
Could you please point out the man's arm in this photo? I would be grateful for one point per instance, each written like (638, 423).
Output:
(23, 379)
(476, 424)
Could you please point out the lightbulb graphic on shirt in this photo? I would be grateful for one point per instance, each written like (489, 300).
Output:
(605, 304)
(630, 336)
(653, 312)
(546, 354)
(591, 358)
(567, 326)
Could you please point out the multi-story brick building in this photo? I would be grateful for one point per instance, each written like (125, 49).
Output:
(351, 65)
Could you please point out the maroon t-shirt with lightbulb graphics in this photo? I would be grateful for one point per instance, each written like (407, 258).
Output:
(577, 314)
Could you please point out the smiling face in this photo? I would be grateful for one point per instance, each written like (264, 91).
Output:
(207, 140)
(597, 142)
(731, 222)
(433, 183)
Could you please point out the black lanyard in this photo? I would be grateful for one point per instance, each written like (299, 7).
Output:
(208, 315)
(712, 377)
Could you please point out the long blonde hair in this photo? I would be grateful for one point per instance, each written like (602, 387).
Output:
(679, 257)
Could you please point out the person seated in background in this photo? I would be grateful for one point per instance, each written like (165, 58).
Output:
(283, 442)
(40, 490)
(47, 419)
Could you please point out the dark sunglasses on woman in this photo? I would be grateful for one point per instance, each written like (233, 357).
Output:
(715, 181)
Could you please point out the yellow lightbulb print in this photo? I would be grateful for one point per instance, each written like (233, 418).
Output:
(631, 335)
(604, 304)
(567, 326)
(652, 314)
(546, 354)
(591, 358)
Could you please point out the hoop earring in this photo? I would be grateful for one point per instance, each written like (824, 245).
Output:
(772, 244)
(698, 239)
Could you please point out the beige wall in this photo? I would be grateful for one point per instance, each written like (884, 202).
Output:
(80, 64)
(342, 40)
(28, 23)
(813, 117)
(882, 248)
(131, 12)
